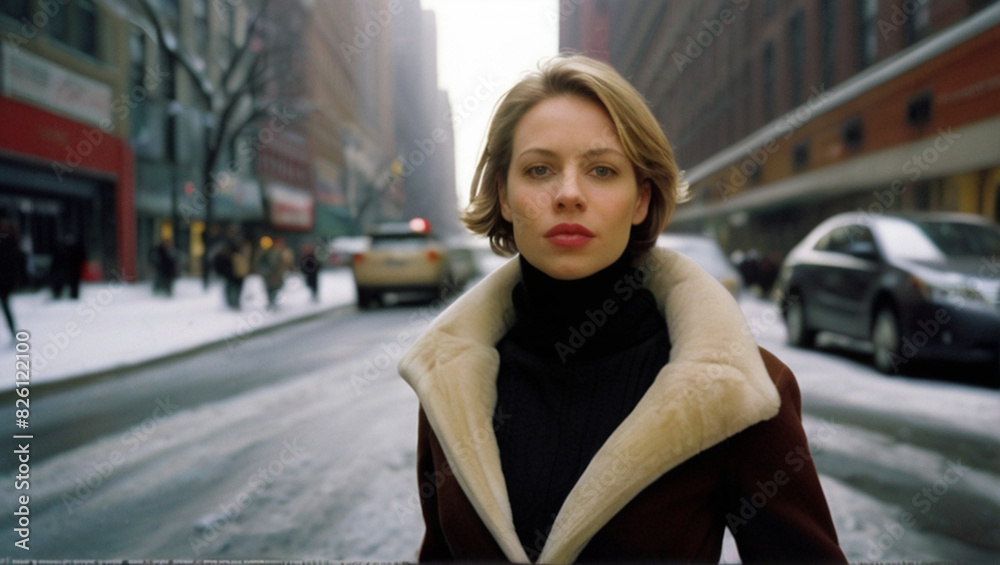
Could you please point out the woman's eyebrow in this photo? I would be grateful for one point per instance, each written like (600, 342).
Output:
(600, 151)
(538, 150)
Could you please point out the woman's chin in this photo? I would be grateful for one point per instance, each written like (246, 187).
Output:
(569, 268)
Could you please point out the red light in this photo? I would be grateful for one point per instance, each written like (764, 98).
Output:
(189, 188)
(420, 225)
(433, 256)
(359, 257)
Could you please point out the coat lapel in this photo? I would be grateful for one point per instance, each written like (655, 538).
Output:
(714, 386)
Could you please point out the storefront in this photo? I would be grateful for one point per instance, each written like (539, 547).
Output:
(61, 174)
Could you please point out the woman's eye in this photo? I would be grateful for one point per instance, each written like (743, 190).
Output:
(603, 172)
(538, 171)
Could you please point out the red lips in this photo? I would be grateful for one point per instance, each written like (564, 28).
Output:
(569, 235)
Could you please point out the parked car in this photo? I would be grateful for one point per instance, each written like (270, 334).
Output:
(407, 258)
(705, 251)
(915, 286)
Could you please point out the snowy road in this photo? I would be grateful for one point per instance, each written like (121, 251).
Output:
(299, 444)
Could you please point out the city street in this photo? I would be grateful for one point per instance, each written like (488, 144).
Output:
(299, 444)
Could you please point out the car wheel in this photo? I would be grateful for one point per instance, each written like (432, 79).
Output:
(799, 334)
(366, 298)
(886, 341)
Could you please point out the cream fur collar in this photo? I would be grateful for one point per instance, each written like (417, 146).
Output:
(714, 386)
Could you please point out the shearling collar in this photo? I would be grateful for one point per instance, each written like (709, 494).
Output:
(714, 386)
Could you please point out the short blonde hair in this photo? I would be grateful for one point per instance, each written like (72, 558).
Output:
(641, 137)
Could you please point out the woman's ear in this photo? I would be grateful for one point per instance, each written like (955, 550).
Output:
(642, 203)
(504, 204)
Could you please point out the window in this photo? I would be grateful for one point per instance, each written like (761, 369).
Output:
(847, 240)
(867, 32)
(916, 25)
(853, 133)
(75, 25)
(137, 57)
(16, 9)
(769, 77)
(918, 109)
(800, 155)
(828, 41)
(796, 58)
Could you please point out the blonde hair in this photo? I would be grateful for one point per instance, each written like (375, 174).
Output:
(641, 137)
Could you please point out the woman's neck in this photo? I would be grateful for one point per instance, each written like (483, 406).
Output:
(582, 318)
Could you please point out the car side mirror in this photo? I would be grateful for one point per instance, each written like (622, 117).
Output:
(863, 250)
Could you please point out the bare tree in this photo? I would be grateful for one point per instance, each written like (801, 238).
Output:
(255, 79)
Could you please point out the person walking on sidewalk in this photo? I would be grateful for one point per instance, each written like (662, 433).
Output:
(164, 259)
(275, 262)
(12, 269)
(232, 262)
(309, 265)
(67, 266)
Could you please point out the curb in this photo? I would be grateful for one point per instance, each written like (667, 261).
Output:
(99, 375)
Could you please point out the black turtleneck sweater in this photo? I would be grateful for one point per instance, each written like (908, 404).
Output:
(576, 362)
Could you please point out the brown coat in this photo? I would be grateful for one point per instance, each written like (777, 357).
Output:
(716, 441)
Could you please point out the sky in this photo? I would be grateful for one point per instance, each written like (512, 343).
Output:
(484, 48)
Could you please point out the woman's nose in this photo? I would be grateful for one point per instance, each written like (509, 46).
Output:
(569, 194)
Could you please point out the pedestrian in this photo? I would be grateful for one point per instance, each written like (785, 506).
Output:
(164, 259)
(274, 263)
(12, 269)
(309, 265)
(68, 258)
(598, 398)
(232, 261)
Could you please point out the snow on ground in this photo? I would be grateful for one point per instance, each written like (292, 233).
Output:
(835, 378)
(114, 324)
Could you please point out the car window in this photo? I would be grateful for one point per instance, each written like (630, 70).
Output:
(400, 241)
(956, 239)
(936, 240)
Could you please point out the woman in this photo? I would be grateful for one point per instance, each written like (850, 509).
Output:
(598, 398)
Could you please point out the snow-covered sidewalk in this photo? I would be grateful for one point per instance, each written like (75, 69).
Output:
(115, 324)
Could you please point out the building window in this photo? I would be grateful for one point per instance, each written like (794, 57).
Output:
(16, 9)
(828, 41)
(137, 57)
(916, 25)
(918, 109)
(867, 32)
(800, 155)
(769, 78)
(796, 56)
(853, 133)
(75, 25)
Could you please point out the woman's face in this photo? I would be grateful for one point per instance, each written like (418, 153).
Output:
(571, 192)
